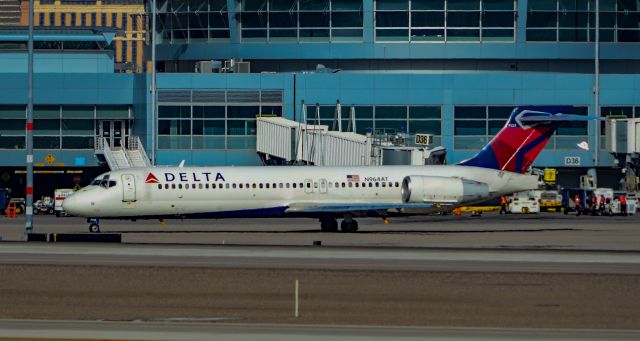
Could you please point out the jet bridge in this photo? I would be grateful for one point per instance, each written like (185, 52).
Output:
(623, 141)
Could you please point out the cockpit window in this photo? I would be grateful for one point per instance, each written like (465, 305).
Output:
(95, 182)
(112, 183)
(105, 182)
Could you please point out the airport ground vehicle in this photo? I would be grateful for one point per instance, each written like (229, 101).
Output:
(632, 204)
(59, 195)
(326, 193)
(586, 195)
(19, 204)
(550, 201)
(525, 202)
(44, 205)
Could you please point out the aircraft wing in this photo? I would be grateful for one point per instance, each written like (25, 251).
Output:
(349, 207)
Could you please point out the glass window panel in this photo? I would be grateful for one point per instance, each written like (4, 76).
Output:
(471, 142)
(46, 142)
(542, 19)
(500, 112)
(470, 127)
(497, 5)
(219, 34)
(424, 112)
(427, 19)
(346, 19)
(282, 5)
(432, 5)
(495, 126)
(463, 35)
(166, 111)
(628, 5)
(346, 34)
(198, 20)
(541, 35)
(78, 127)
(543, 5)
(271, 110)
(174, 127)
(13, 111)
(197, 127)
(392, 19)
(12, 127)
(392, 35)
(253, 20)
(314, 5)
(346, 5)
(257, 35)
(629, 36)
(616, 111)
(314, 19)
(314, 35)
(572, 35)
(391, 126)
(573, 128)
(607, 19)
(463, 5)
(605, 35)
(605, 5)
(497, 35)
(77, 142)
(69, 111)
(208, 142)
(364, 126)
(208, 112)
(241, 127)
(214, 127)
(217, 5)
(174, 142)
(243, 112)
(283, 35)
(46, 111)
(218, 20)
(563, 142)
(196, 35)
(392, 5)
(433, 127)
(427, 35)
(46, 127)
(572, 19)
(363, 112)
(463, 19)
(498, 19)
(12, 142)
(470, 112)
(180, 21)
(628, 20)
(283, 19)
(572, 5)
(254, 5)
(244, 142)
(392, 112)
(112, 111)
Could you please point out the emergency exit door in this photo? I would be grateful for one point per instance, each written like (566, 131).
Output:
(128, 188)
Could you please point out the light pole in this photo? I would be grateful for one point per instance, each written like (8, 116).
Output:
(28, 226)
(153, 82)
(596, 87)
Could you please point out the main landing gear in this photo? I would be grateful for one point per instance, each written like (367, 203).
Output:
(331, 224)
(94, 225)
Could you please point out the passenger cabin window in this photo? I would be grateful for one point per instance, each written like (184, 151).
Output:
(159, 186)
(287, 184)
(166, 186)
(173, 186)
(266, 185)
(294, 185)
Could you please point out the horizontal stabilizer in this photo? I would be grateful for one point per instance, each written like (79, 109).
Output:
(350, 207)
(557, 118)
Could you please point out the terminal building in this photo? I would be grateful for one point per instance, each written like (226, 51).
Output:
(450, 68)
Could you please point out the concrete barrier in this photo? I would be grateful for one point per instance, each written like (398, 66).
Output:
(86, 237)
(37, 237)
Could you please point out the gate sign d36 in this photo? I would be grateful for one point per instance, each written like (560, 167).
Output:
(572, 161)
(424, 139)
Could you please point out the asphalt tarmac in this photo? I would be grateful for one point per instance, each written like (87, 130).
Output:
(539, 231)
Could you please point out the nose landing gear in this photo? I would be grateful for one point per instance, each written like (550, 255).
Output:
(94, 225)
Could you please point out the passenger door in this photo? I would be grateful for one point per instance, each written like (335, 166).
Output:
(128, 188)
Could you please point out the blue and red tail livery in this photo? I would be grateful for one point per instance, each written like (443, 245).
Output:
(523, 137)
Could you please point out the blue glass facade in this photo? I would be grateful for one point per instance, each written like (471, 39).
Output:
(453, 69)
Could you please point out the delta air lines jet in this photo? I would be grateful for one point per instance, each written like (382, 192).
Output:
(325, 193)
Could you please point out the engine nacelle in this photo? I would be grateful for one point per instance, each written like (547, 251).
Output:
(439, 189)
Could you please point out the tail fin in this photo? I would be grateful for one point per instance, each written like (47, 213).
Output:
(523, 137)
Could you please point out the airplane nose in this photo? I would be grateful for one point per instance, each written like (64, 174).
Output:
(71, 205)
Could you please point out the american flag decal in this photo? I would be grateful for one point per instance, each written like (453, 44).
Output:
(353, 178)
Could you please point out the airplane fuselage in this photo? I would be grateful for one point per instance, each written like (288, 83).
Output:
(221, 192)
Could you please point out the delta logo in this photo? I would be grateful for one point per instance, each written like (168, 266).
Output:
(151, 179)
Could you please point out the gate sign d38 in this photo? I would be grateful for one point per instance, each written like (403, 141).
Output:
(572, 161)
(424, 139)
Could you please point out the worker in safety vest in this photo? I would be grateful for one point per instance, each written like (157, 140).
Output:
(601, 204)
(576, 200)
(503, 204)
(623, 204)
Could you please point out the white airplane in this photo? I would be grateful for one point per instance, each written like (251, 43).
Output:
(325, 193)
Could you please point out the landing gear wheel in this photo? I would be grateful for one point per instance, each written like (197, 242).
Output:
(94, 228)
(349, 226)
(329, 225)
